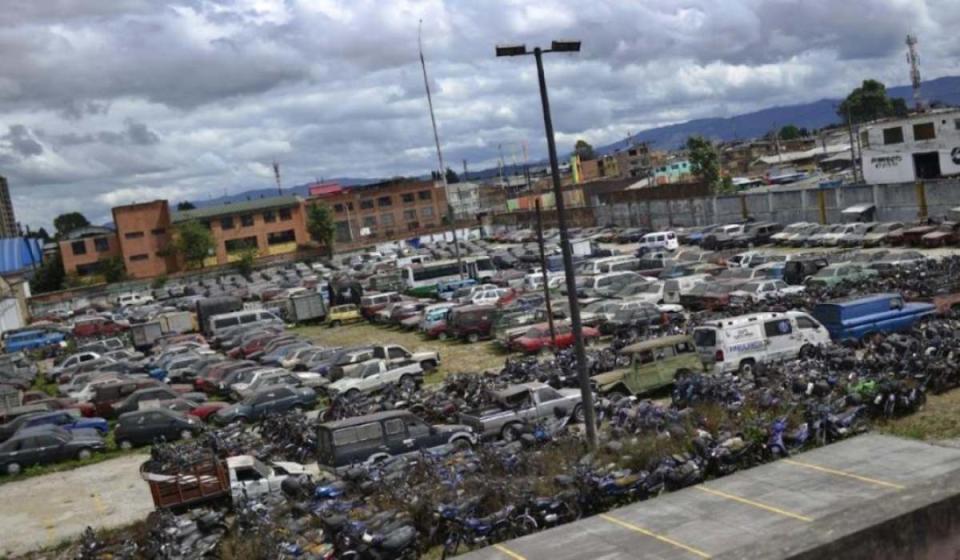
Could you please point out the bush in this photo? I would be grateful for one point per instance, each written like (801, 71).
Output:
(158, 282)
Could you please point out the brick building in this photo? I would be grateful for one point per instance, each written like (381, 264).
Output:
(143, 233)
(84, 248)
(385, 211)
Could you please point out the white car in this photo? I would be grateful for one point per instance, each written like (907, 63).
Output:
(375, 374)
(761, 290)
(249, 477)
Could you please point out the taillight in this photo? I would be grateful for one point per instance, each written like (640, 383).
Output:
(718, 356)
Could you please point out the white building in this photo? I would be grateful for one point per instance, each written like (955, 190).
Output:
(464, 198)
(922, 146)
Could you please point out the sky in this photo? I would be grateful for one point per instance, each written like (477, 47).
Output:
(109, 102)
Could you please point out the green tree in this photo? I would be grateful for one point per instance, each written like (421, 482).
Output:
(869, 102)
(790, 132)
(193, 242)
(65, 223)
(583, 149)
(704, 161)
(49, 276)
(113, 270)
(452, 176)
(245, 264)
(321, 227)
(185, 205)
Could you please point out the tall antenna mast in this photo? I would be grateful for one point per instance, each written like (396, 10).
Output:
(276, 175)
(914, 62)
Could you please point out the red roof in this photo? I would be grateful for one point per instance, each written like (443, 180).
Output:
(325, 189)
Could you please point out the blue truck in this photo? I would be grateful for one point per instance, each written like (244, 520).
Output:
(857, 317)
(33, 340)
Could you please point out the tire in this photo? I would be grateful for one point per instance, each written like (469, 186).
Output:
(429, 365)
(335, 324)
(12, 469)
(352, 394)
(747, 367)
(186, 434)
(442, 336)
(473, 338)
(525, 525)
(125, 444)
(805, 351)
(461, 444)
(510, 432)
(579, 415)
(84, 454)
(615, 395)
(406, 381)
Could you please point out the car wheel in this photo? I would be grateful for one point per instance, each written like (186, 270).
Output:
(805, 352)
(408, 383)
(747, 367)
(510, 432)
(335, 324)
(12, 469)
(352, 394)
(84, 454)
(473, 337)
(429, 365)
(462, 444)
(579, 415)
(442, 336)
(125, 445)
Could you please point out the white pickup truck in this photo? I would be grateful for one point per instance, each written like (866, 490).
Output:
(249, 477)
(373, 375)
(393, 354)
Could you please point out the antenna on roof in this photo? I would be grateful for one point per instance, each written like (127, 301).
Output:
(276, 175)
(914, 61)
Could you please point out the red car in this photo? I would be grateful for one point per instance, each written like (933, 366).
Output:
(96, 326)
(538, 338)
(200, 410)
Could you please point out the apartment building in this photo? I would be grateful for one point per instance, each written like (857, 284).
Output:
(8, 222)
(85, 248)
(143, 234)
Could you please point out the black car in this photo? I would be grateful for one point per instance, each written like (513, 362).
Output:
(47, 444)
(633, 319)
(159, 393)
(383, 434)
(280, 398)
(143, 427)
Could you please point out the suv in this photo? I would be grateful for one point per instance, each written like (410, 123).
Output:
(654, 364)
(370, 438)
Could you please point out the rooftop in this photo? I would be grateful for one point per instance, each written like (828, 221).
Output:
(257, 205)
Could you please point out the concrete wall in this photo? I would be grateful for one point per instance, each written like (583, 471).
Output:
(895, 202)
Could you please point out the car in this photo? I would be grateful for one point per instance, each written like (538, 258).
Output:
(69, 363)
(538, 338)
(47, 444)
(144, 397)
(654, 364)
(201, 410)
(61, 418)
(342, 314)
(96, 326)
(143, 427)
(761, 290)
(834, 274)
(880, 233)
(272, 399)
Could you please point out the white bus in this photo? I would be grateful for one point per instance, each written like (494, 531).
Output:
(422, 279)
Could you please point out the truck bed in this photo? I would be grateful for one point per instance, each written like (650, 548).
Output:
(203, 481)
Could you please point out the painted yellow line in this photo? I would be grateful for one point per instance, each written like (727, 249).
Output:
(508, 552)
(754, 504)
(661, 538)
(844, 474)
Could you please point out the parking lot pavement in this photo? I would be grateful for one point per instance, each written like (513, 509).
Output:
(803, 495)
(42, 511)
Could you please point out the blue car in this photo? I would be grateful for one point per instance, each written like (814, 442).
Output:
(66, 421)
(33, 340)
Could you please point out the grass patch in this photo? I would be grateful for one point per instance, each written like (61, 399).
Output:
(939, 419)
(42, 384)
(455, 356)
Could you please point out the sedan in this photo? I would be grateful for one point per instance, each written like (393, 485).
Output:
(60, 418)
(267, 401)
(538, 339)
(837, 273)
(143, 427)
(47, 444)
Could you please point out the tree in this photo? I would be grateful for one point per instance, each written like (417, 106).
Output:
(869, 102)
(321, 227)
(245, 264)
(452, 176)
(49, 276)
(113, 270)
(790, 132)
(65, 223)
(583, 149)
(193, 242)
(185, 205)
(900, 107)
(704, 161)
(40, 234)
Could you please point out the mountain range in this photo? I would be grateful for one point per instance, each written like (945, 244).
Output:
(817, 114)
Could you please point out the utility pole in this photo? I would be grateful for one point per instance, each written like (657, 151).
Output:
(853, 151)
(543, 270)
(276, 175)
(436, 140)
(586, 392)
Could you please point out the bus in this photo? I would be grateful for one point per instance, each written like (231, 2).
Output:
(422, 279)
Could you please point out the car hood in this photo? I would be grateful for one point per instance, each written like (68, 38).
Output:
(608, 377)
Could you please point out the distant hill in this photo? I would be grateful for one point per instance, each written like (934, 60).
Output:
(299, 190)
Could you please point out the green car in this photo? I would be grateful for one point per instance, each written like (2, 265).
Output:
(654, 364)
(836, 273)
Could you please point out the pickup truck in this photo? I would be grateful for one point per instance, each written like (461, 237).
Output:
(213, 479)
(517, 405)
(373, 375)
(395, 355)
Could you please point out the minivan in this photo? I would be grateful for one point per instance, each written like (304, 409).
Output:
(252, 317)
(660, 240)
(371, 303)
(373, 437)
(741, 343)
(471, 322)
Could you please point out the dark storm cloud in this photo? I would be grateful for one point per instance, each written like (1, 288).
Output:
(22, 142)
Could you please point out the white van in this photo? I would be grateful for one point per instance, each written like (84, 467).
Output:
(676, 287)
(660, 240)
(133, 298)
(247, 317)
(740, 343)
(599, 266)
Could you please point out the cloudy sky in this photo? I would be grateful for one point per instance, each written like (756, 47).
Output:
(105, 102)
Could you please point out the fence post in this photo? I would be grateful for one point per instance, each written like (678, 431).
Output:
(921, 200)
(743, 207)
(822, 202)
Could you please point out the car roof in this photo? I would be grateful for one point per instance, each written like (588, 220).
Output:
(357, 420)
(656, 343)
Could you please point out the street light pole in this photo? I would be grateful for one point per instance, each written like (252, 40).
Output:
(546, 278)
(571, 281)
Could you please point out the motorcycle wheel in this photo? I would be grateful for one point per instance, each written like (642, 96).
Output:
(524, 525)
(450, 547)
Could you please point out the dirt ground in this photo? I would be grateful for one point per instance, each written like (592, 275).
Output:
(455, 356)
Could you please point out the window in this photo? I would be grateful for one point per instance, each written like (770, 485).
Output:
(284, 214)
(426, 212)
(409, 197)
(425, 195)
(135, 258)
(413, 226)
(246, 221)
(79, 247)
(158, 231)
(279, 237)
(924, 131)
(133, 235)
(865, 139)
(101, 244)
(395, 353)
(409, 215)
(226, 223)
(893, 135)
(366, 204)
(338, 208)
(394, 426)
(779, 327)
(369, 431)
(417, 429)
(235, 245)
(269, 217)
(345, 436)
(370, 221)
(386, 220)
(806, 323)
(384, 201)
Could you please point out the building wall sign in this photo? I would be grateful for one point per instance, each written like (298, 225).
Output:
(886, 161)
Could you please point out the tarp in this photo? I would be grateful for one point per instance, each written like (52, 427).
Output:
(19, 253)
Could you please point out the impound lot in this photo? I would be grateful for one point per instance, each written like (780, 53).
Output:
(774, 510)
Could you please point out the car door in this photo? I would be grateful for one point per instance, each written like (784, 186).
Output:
(47, 448)
(420, 435)
(395, 437)
(371, 377)
(781, 340)
(547, 400)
